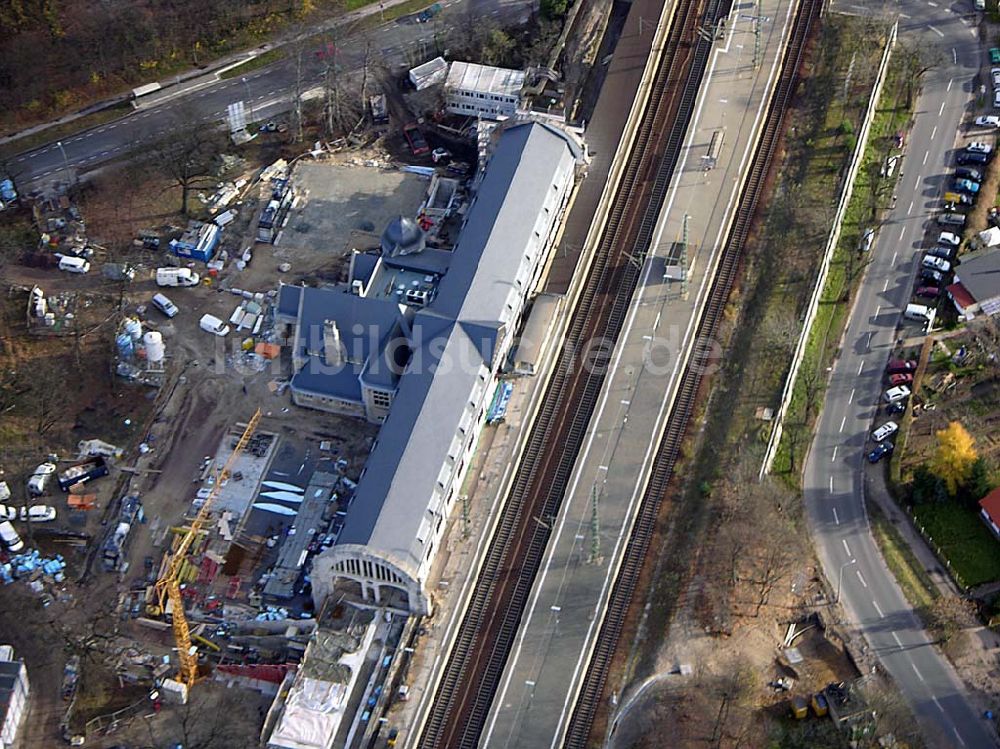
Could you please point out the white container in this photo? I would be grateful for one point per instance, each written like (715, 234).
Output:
(155, 350)
(133, 327)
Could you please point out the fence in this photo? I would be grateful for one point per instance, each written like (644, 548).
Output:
(831, 246)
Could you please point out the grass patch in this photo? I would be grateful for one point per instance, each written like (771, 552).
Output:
(64, 130)
(913, 579)
(962, 540)
(871, 196)
(260, 61)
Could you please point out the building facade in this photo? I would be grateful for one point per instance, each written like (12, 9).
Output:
(455, 347)
(14, 691)
(483, 91)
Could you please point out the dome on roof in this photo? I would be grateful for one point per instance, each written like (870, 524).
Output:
(402, 237)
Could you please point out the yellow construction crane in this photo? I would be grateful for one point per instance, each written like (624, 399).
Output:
(168, 587)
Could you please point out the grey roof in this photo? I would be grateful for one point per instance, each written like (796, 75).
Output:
(287, 309)
(427, 260)
(402, 236)
(980, 275)
(364, 325)
(452, 340)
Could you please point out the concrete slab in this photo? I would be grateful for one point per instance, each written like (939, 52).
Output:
(538, 690)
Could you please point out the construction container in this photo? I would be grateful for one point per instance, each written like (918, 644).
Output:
(819, 705)
(799, 707)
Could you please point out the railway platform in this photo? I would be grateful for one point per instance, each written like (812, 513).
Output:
(539, 686)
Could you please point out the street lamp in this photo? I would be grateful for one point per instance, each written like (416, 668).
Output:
(840, 578)
(246, 83)
(65, 160)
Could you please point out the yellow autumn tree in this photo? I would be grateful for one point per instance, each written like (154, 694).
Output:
(954, 457)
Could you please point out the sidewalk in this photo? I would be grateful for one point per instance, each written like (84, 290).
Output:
(210, 73)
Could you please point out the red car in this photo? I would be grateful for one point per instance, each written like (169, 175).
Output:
(418, 144)
(928, 292)
(900, 379)
(901, 366)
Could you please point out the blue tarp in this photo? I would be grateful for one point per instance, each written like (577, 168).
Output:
(498, 408)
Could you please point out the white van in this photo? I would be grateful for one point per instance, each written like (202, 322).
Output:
(9, 537)
(176, 277)
(41, 476)
(213, 325)
(162, 303)
(896, 394)
(74, 264)
(885, 431)
(918, 312)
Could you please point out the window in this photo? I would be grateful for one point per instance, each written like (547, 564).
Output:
(381, 399)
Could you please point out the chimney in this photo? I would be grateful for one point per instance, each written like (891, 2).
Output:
(333, 347)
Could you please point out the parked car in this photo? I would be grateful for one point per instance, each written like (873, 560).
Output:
(74, 264)
(416, 140)
(163, 303)
(936, 263)
(41, 476)
(989, 120)
(928, 292)
(977, 146)
(10, 537)
(8, 513)
(995, 75)
(896, 394)
(947, 237)
(896, 366)
(176, 277)
(213, 325)
(38, 513)
(951, 219)
(428, 13)
(885, 431)
(967, 157)
(895, 408)
(967, 172)
(881, 450)
(931, 276)
(965, 185)
(904, 378)
(945, 253)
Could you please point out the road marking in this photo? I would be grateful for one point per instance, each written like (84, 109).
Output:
(940, 110)
(954, 55)
(851, 399)
(934, 131)
(878, 310)
(836, 518)
(870, 333)
(926, 154)
(903, 15)
(950, 81)
(938, 704)
(902, 229)
(625, 403)
(958, 735)
(935, 30)
(919, 675)
(896, 638)
(723, 101)
(861, 366)
(894, 254)
(842, 422)
(834, 457)
(881, 615)
(861, 578)
(933, 5)
(844, 542)
(908, 212)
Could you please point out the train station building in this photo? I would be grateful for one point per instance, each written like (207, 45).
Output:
(419, 350)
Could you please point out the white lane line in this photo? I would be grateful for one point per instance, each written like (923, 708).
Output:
(894, 255)
(896, 638)
(926, 154)
(836, 517)
(935, 30)
(885, 286)
(861, 578)
(958, 735)
(933, 5)
(941, 109)
(934, 130)
(919, 675)
(939, 707)
(833, 458)
(954, 55)
(851, 399)
(908, 212)
(950, 81)
(878, 310)
(846, 547)
(903, 15)
(902, 229)
(881, 615)
(831, 485)
(861, 366)
(842, 422)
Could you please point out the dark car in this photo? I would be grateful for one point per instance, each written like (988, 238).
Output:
(951, 219)
(931, 276)
(970, 157)
(896, 408)
(902, 378)
(880, 451)
(928, 292)
(897, 366)
(945, 253)
(964, 172)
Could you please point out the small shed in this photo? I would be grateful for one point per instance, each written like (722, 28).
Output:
(431, 72)
(989, 238)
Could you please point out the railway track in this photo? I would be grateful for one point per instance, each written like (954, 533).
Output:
(592, 689)
(475, 665)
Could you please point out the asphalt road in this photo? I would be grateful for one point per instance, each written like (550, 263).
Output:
(267, 92)
(833, 478)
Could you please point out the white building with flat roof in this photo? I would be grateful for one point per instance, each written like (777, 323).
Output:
(13, 696)
(482, 90)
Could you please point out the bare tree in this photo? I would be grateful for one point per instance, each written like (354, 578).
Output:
(188, 155)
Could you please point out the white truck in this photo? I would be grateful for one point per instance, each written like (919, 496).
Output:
(176, 277)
